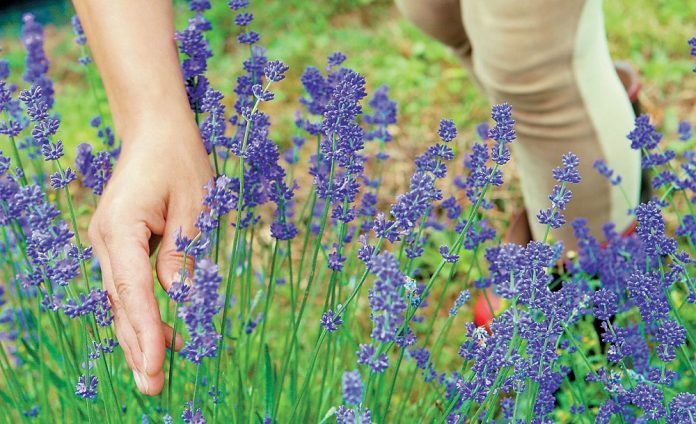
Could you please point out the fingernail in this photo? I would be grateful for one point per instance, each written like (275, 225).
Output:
(145, 371)
(176, 277)
(140, 381)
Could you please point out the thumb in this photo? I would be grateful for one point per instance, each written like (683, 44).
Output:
(173, 265)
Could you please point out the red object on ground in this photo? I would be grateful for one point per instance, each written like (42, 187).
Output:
(483, 315)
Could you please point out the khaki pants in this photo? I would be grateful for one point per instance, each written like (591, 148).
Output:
(549, 59)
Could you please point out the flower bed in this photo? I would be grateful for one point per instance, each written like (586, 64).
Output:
(315, 303)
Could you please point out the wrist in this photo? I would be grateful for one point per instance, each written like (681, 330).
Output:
(166, 132)
(141, 107)
(157, 122)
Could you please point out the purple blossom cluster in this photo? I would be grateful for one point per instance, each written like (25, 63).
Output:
(198, 312)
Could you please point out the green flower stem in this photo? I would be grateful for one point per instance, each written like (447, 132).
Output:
(83, 264)
(579, 350)
(553, 213)
(443, 332)
(24, 308)
(580, 392)
(264, 320)
(330, 348)
(407, 394)
(172, 354)
(310, 278)
(576, 395)
(535, 385)
(329, 303)
(85, 342)
(313, 197)
(382, 349)
(286, 344)
(42, 359)
(675, 310)
(686, 199)
(307, 381)
(170, 373)
(668, 195)
(390, 392)
(688, 282)
(228, 289)
(13, 384)
(381, 378)
(453, 402)
(105, 374)
(195, 386)
(12, 380)
(76, 230)
(502, 373)
(234, 255)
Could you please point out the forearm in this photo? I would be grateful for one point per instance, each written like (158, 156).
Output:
(133, 45)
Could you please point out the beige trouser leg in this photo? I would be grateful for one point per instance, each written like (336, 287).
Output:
(549, 59)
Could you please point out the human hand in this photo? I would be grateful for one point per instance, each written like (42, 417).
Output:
(156, 189)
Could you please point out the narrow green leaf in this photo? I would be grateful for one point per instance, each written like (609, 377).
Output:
(269, 382)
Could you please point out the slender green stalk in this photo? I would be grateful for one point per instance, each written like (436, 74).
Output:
(235, 254)
(392, 385)
(310, 279)
(266, 309)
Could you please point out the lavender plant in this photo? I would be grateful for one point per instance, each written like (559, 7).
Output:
(332, 301)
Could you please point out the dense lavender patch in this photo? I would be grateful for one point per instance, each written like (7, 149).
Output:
(313, 293)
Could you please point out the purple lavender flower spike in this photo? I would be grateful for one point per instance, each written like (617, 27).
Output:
(644, 135)
(275, 70)
(198, 312)
(670, 335)
(238, 4)
(462, 298)
(651, 230)
(86, 389)
(682, 407)
(79, 32)
(352, 387)
(59, 181)
(330, 321)
(384, 112)
(447, 130)
(605, 304)
(685, 131)
(603, 169)
(352, 416)
(336, 59)
(191, 415)
(243, 19)
(4, 69)
(36, 62)
(503, 132)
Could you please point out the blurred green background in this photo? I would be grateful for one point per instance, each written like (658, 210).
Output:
(425, 79)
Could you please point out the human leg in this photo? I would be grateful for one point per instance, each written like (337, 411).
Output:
(551, 62)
